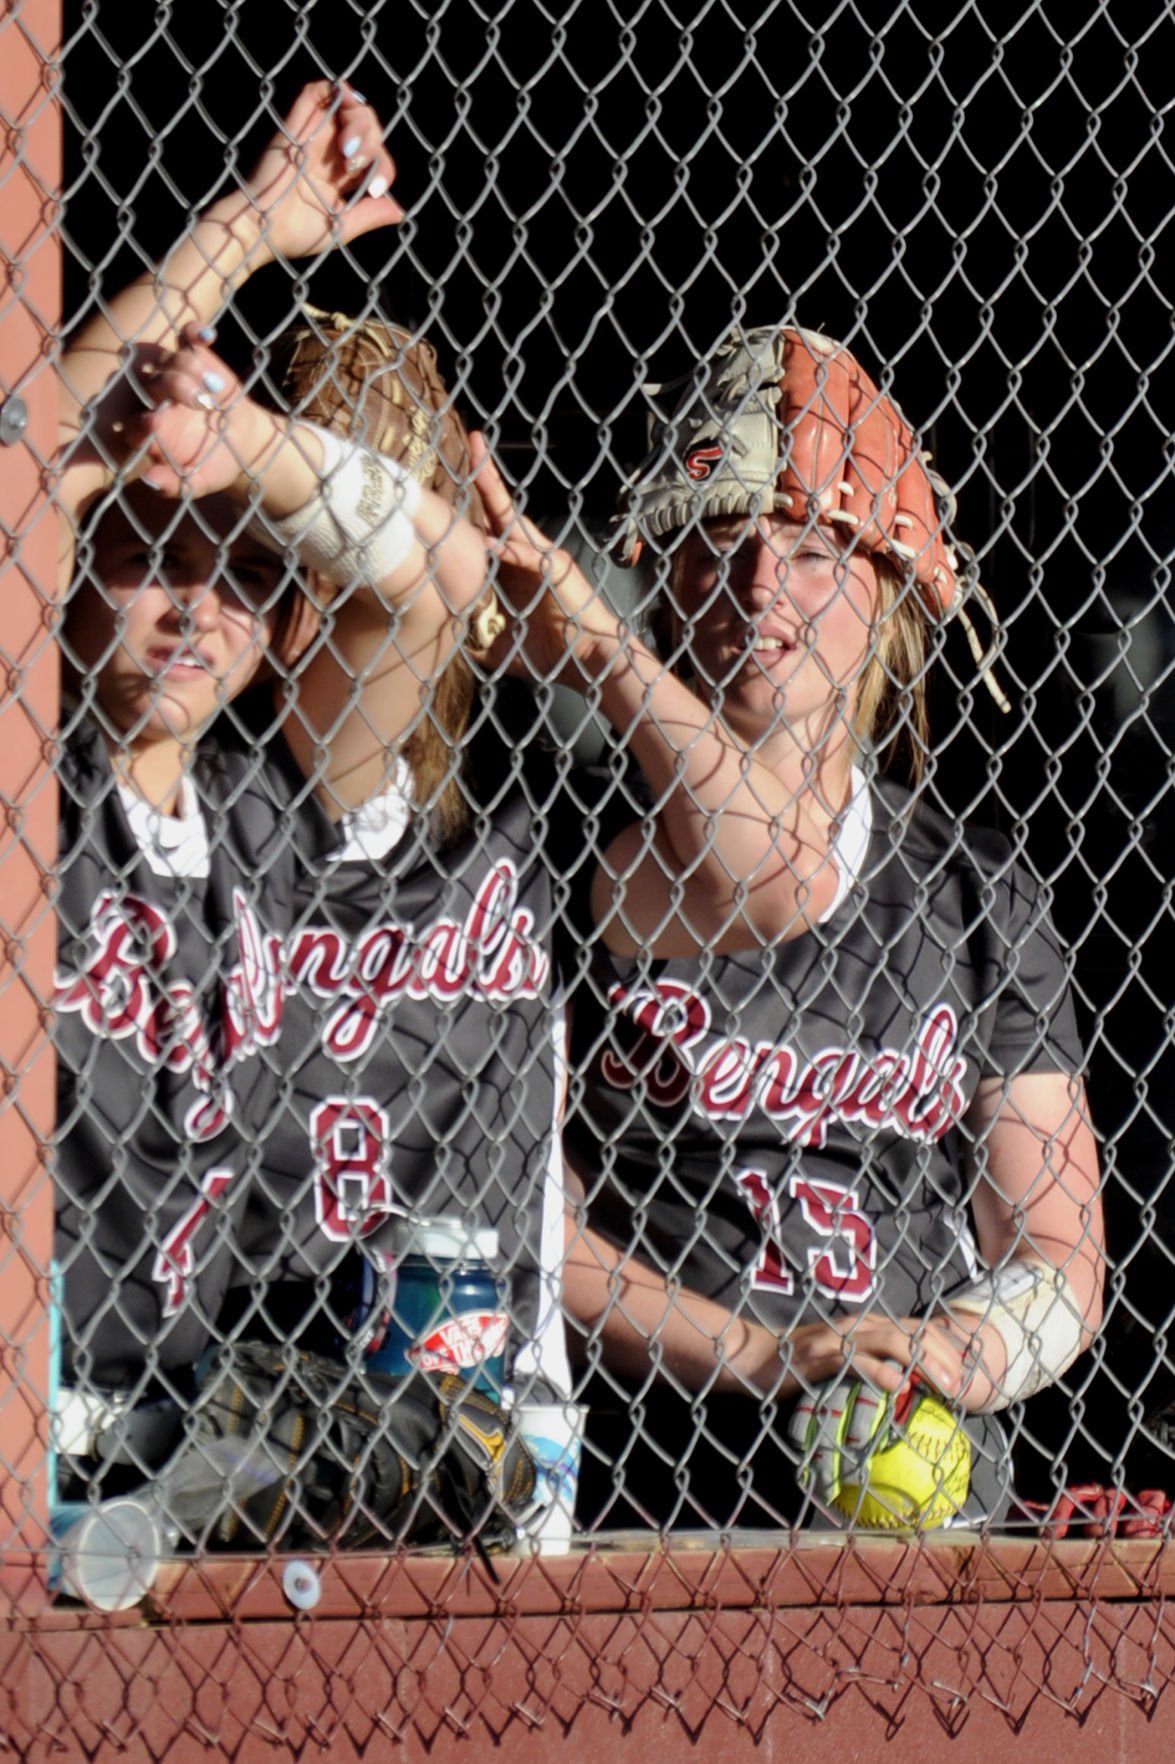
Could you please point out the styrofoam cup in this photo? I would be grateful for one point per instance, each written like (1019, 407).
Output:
(108, 1555)
(553, 1433)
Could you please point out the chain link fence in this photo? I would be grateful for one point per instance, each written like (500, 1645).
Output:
(593, 198)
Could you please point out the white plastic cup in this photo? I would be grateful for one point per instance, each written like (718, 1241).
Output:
(108, 1555)
(553, 1433)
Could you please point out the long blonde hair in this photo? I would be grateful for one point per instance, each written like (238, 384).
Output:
(434, 749)
(891, 696)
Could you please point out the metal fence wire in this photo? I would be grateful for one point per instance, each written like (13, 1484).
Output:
(482, 946)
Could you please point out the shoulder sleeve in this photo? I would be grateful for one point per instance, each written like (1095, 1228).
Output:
(1017, 970)
(1033, 1027)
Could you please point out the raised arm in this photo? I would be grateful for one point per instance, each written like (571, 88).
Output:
(321, 181)
(735, 859)
(401, 568)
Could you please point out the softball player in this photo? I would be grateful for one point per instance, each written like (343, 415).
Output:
(828, 1113)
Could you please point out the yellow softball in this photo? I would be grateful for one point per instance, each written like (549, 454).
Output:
(919, 1472)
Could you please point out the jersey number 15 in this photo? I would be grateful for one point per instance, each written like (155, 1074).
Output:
(841, 1261)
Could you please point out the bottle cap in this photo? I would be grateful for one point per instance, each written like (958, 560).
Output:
(445, 1240)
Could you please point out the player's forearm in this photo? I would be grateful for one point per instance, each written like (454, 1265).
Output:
(1011, 1348)
(191, 285)
(643, 1324)
(282, 463)
(1039, 1223)
(739, 833)
(404, 569)
(222, 247)
(364, 523)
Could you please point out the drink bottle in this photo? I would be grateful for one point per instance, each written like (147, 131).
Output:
(447, 1306)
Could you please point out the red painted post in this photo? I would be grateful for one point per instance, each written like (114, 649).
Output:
(30, 310)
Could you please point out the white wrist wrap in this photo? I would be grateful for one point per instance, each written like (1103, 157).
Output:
(357, 527)
(1032, 1309)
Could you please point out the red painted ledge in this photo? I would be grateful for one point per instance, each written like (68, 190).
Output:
(630, 1574)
